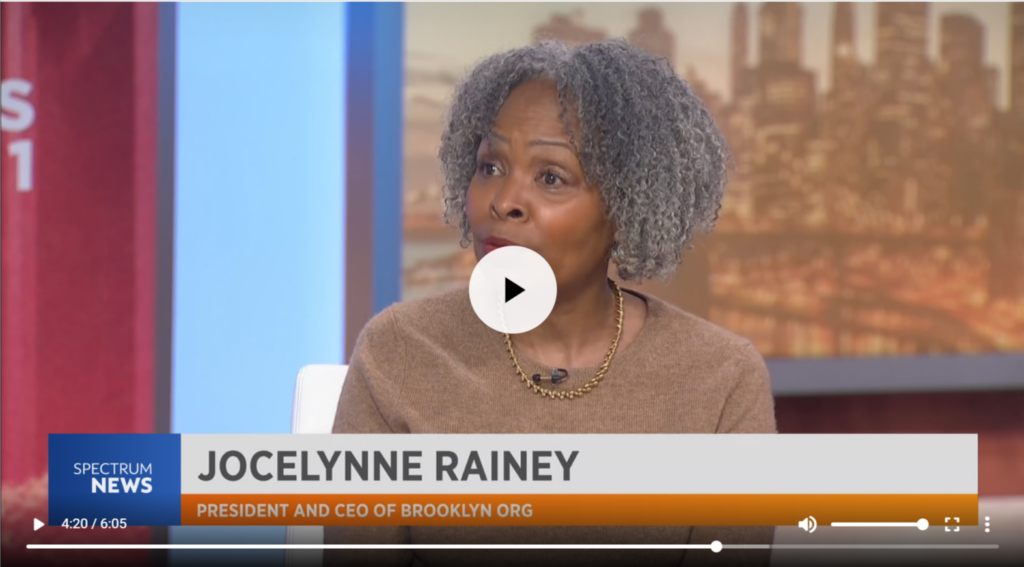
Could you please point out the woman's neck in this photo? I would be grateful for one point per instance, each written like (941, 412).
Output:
(579, 330)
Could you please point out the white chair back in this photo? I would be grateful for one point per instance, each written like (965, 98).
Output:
(317, 390)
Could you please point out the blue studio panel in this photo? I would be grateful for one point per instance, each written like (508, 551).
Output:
(258, 273)
(259, 212)
(388, 41)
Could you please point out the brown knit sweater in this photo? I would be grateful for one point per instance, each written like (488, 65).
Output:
(431, 366)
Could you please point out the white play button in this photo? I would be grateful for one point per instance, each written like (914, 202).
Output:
(36, 524)
(512, 289)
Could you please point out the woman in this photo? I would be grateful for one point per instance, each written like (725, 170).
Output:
(589, 156)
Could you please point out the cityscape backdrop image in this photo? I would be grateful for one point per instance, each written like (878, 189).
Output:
(876, 206)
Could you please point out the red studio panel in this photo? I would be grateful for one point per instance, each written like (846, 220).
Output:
(79, 243)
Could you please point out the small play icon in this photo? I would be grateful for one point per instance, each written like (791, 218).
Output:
(36, 524)
(511, 290)
(512, 273)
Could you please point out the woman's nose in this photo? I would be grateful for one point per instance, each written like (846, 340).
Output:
(508, 201)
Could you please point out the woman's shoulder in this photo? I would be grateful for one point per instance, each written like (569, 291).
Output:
(721, 363)
(448, 307)
(445, 315)
(682, 331)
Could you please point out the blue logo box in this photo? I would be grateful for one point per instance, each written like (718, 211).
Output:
(134, 477)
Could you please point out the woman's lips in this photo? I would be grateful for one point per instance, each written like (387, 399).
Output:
(492, 243)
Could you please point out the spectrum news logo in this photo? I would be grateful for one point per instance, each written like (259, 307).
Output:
(118, 478)
(134, 476)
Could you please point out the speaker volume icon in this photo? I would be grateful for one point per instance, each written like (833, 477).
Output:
(809, 524)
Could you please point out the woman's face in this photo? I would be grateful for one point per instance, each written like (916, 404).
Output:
(529, 189)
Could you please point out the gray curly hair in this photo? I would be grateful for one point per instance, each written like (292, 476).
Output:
(648, 143)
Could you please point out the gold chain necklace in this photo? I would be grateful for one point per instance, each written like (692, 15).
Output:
(586, 388)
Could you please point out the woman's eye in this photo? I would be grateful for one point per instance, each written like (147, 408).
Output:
(551, 178)
(488, 169)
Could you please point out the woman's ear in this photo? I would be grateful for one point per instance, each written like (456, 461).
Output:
(610, 250)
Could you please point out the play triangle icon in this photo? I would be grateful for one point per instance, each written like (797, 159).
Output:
(512, 289)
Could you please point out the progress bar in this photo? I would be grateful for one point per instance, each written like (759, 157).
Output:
(714, 546)
(867, 546)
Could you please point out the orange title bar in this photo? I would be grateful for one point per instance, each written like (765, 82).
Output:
(570, 509)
